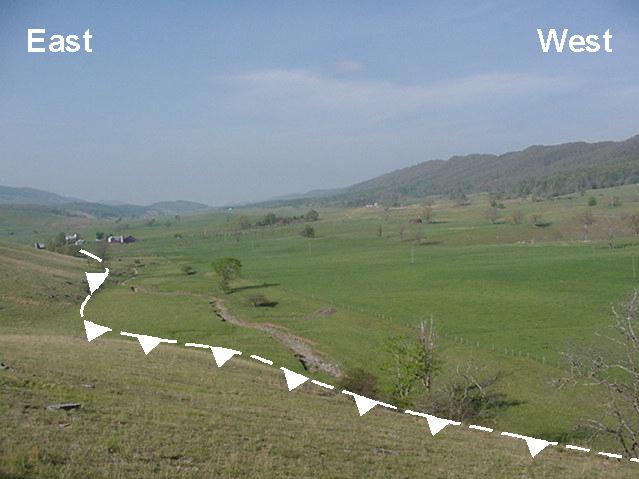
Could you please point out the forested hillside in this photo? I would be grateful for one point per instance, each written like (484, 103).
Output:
(543, 171)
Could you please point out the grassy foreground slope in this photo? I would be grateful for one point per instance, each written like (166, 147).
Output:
(175, 414)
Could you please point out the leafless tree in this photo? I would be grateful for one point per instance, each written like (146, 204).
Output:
(611, 233)
(427, 214)
(614, 367)
(586, 219)
(518, 217)
(469, 397)
(428, 344)
(492, 214)
(633, 222)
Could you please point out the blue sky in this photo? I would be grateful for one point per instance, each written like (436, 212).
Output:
(225, 102)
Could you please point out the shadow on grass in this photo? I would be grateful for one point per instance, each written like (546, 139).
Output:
(254, 286)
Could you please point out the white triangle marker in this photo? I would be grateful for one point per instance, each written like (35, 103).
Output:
(95, 280)
(222, 355)
(293, 379)
(535, 446)
(148, 343)
(363, 403)
(94, 330)
(435, 424)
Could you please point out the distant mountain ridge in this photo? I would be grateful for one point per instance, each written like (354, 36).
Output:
(32, 196)
(544, 171)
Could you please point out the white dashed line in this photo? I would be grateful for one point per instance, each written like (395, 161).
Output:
(577, 448)
(609, 454)
(197, 345)
(321, 384)
(91, 255)
(261, 359)
(480, 428)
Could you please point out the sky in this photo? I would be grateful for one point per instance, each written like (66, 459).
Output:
(229, 102)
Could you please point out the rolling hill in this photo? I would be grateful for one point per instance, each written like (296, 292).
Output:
(543, 171)
(73, 206)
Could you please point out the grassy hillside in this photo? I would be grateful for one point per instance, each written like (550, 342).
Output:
(175, 414)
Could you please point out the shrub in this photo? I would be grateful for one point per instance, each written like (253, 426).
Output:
(312, 215)
(260, 301)
(359, 381)
(308, 232)
(189, 270)
(592, 201)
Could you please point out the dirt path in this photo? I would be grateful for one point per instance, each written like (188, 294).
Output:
(300, 347)
(311, 360)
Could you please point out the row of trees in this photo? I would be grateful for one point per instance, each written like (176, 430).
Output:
(271, 219)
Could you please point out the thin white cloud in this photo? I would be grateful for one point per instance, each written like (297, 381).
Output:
(292, 92)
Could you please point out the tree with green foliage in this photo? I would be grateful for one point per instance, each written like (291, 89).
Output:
(312, 215)
(269, 219)
(414, 363)
(592, 201)
(227, 269)
(308, 232)
(99, 235)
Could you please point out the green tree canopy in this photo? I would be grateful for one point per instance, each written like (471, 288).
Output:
(227, 269)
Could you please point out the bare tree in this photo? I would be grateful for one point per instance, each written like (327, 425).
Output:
(586, 219)
(611, 233)
(428, 344)
(427, 214)
(518, 217)
(492, 214)
(614, 368)
(633, 222)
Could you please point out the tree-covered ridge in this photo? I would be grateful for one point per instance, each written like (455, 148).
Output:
(543, 171)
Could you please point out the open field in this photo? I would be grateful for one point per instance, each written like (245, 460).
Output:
(505, 297)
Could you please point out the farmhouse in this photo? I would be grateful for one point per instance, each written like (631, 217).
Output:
(120, 239)
(72, 238)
